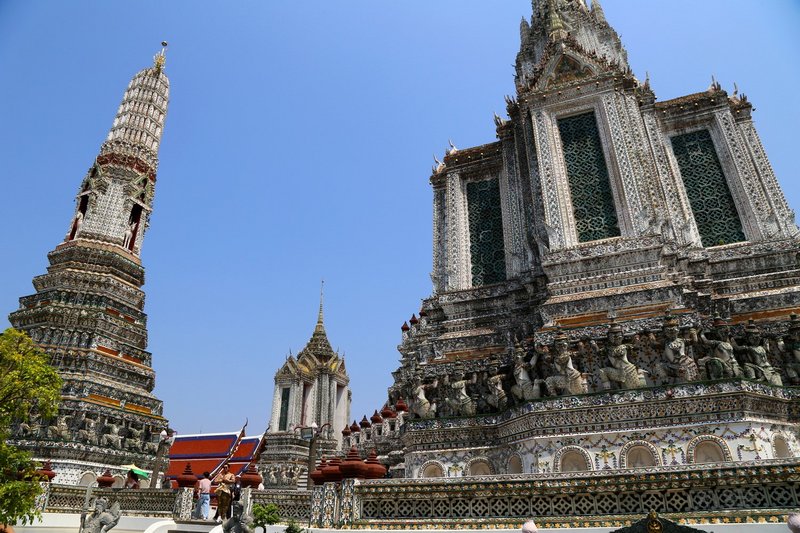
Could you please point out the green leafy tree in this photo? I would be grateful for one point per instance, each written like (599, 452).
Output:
(265, 515)
(27, 381)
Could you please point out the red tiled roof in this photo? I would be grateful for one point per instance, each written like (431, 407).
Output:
(201, 446)
(209, 452)
(199, 466)
(247, 449)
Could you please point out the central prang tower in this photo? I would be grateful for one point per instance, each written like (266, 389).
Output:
(87, 313)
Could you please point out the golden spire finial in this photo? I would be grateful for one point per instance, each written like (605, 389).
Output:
(321, 292)
(161, 58)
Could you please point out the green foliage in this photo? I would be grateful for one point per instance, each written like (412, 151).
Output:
(294, 528)
(26, 381)
(265, 515)
(18, 486)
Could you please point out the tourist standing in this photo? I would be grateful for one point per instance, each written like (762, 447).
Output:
(203, 489)
(224, 480)
(132, 481)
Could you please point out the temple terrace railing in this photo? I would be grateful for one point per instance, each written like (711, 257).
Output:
(293, 504)
(762, 491)
(164, 503)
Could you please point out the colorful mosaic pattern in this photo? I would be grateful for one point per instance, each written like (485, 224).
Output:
(347, 509)
(592, 200)
(317, 497)
(330, 501)
(712, 204)
(486, 232)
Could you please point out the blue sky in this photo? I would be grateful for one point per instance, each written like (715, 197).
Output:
(298, 146)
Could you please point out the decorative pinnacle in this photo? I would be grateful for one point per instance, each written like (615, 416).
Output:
(597, 9)
(160, 58)
(321, 293)
(555, 25)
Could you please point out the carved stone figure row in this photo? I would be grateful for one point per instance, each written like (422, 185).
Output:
(286, 474)
(639, 361)
(133, 437)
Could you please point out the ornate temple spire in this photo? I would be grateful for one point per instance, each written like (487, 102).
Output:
(116, 196)
(139, 123)
(320, 317)
(88, 310)
(319, 345)
(586, 31)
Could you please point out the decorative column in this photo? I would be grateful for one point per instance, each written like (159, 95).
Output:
(276, 408)
(458, 269)
(513, 214)
(784, 216)
(628, 195)
(754, 209)
(677, 209)
(558, 218)
(438, 276)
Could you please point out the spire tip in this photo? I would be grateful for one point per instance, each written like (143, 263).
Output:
(321, 294)
(161, 57)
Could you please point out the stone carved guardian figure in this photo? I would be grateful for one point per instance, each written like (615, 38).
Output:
(497, 396)
(622, 372)
(753, 357)
(566, 379)
(721, 363)
(421, 406)
(237, 523)
(111, 437)
(677, 366)
(23, 430)
(59, 430)
(134, 439)
(87, 432)
(102, 518)
(460, 402)
(790, 349)
(525, 388)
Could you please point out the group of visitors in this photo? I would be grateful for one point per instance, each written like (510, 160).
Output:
(228, 489)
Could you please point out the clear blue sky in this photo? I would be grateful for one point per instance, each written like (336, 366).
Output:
(298, 146)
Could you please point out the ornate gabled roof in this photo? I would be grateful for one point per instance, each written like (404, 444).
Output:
(567, 23)
(289, 368)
